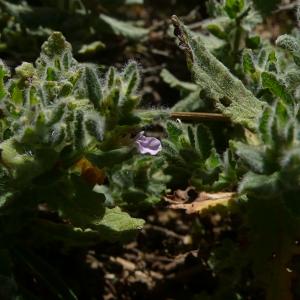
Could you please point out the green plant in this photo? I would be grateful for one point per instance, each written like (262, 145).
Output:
(271, 185)
(192, 159)
(233, 22)
(266, 165)
(74, 169)
(230, 29)
(64, 127)
(136, 185)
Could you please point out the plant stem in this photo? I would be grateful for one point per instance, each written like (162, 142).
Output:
(199, 117)
(238, 34)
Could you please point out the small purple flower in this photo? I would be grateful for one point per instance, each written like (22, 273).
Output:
(146, 144)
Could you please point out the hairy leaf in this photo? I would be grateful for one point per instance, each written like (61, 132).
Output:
(229, 93)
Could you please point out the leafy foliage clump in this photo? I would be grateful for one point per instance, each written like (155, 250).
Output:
(271, 184)
(65, 130)
(71, 170)
(266, 159)
(192, 159)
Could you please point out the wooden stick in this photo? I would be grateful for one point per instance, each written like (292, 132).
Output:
(199, 116)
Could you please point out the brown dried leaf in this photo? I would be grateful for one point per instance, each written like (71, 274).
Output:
(204, 201)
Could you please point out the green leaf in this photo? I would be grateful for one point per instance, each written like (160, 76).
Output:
(288, 42)
(277, 87)
(169, 149)
(79, 132)
(123, 28)
(252, 156)
(213, 161)
(253, 42)
(291, 44)
(228, 92)
(192, 102)
(22, 163)
(92, 48)
(109, 158)
(248, 61)
(95, 127)
(216, 30)
(264, 185)
(173, 82)
(132, 79)
(118, 225)
(211, 42)
(174, 131)
(234, 7)
(93, 86)
(15, 10)
(265, 123)
(282, 113)
(204, 141)
(262, 58)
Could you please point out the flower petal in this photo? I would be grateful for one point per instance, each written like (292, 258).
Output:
(150, 145)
